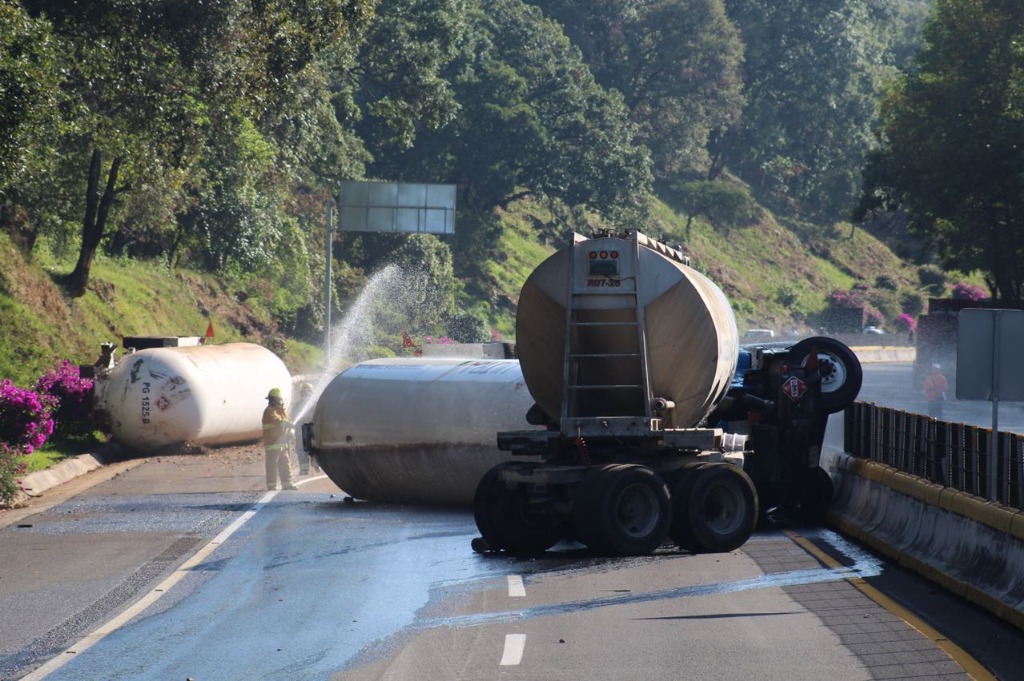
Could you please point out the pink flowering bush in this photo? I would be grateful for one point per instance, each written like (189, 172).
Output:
(842, 299)
(962, 291)
(25, 424)
(68, 395)
(907, 322)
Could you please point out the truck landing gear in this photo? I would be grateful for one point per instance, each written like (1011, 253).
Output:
(507, 520)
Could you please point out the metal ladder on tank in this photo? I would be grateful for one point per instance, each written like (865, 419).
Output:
(574, 385)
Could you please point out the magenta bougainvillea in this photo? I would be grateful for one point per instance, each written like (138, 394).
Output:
(68, 395)
(906, 322)
(25, 424)
(963, 291)
(25, 420)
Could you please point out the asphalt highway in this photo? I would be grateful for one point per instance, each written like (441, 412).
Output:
(183, 567)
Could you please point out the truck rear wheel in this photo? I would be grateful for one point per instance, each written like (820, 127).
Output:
(504, 519)
(714, 509)
(622, 510)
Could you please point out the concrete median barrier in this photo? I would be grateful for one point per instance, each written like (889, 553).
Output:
(970, 546)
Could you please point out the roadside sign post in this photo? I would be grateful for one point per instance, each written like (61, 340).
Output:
(327, 282)
(988, 367)
(385, 207)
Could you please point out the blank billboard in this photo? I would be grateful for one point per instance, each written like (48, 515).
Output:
(396, 207)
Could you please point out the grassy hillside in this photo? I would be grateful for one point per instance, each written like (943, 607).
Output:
(39, 325)
(776, 276)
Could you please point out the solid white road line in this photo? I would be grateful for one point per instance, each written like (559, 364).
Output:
(514, 646)
(515, 587)
(149, 599)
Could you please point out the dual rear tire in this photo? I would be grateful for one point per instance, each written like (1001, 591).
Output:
(629, 510)
(624, 510)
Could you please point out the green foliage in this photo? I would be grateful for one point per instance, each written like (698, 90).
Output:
(676, 63)
(787, 295)
(933, 279)
(400, 84)
(951, 134)
(725, 204)
(913, 303)
(532, 122)
(812, 73)
(29, 91)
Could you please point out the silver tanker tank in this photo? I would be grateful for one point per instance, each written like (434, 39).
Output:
(206, 394)
(692, 344)
(417, 430)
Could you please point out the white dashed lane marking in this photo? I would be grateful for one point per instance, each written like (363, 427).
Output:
(514, 646)
(515, 587)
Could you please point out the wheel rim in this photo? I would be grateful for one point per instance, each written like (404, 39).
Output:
(722, 508)
(637, 511)
(833, 372)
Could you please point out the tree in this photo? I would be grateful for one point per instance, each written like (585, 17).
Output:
(531, 122)
(951, 139)
(812, 72)
(676, 63)
(157, 89)
(726, 204)
(29, 82)
(129, 114)
(398, 79)
(29, 96)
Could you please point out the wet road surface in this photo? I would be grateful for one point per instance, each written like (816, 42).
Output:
(183, 567)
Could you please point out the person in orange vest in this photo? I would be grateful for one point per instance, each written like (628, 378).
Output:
(277, 441)
(935, 387)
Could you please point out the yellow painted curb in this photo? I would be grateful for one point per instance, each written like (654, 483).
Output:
(989, 513)
(1017, 525)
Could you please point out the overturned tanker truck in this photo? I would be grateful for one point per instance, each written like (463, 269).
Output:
(632, 414)
(654, 423)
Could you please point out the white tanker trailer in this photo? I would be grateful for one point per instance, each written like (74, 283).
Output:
(416, 430)
(163, 397)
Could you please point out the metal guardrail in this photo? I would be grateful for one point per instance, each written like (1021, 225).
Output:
(954, 455)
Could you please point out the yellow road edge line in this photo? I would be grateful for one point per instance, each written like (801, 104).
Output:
(973, 668)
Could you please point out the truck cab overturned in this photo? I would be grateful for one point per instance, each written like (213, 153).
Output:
(654, 422)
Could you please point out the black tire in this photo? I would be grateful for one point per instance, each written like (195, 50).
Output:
(841, 373)
(714, 509)
(813, 496)
(586, 510)
(505, 522)
(622, 510)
